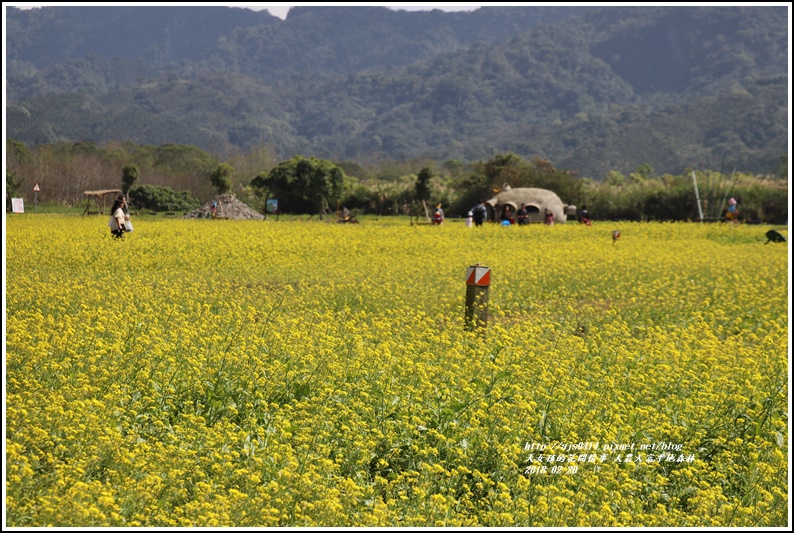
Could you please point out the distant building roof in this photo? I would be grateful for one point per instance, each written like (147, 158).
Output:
(103, 192)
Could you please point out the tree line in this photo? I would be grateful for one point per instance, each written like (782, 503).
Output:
(173, 177)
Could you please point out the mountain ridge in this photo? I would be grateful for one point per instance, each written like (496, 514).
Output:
(567, 91)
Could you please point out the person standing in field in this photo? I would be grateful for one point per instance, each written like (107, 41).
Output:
(479, 213)
(732, 214)
(118, 217)
(549, 217)
(584, 216)
(522, 216)
(438, 215)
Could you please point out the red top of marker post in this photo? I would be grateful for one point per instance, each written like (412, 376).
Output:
(478, 275)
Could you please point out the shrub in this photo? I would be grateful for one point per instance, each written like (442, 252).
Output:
(157, 198)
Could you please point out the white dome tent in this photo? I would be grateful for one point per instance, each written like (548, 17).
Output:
(536, 201)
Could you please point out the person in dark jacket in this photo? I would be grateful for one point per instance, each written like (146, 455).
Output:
(479, 213)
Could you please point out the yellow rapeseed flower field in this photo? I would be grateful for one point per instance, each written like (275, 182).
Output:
(293, 373)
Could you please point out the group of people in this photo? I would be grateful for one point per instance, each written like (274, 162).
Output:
(521, 217)
(120, 223)
(479, 214)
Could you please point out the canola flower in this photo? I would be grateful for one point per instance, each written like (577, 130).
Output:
(304, 374)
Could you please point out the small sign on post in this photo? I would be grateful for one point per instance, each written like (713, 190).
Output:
(36, 190)
(478, 283)
(271, 206)
(17, 205)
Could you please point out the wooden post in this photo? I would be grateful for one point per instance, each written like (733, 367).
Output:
(427, 213)
(478, 283)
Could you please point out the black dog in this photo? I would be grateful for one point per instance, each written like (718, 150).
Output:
(774, 236)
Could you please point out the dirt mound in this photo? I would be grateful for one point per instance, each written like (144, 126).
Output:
(227, 206)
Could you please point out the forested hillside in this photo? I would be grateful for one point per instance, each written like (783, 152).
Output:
(591, 90)
(187, 40)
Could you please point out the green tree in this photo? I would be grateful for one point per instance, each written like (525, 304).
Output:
(642, 174)
(221, 178)
(505, 169)
(566, 184)
(178, 158)
(129, 175)
(423, 185)
(302, 185)
(17, 155)
(488, 177)
(614, 178)
(158, 198)
(11, 183)
(454, 167)
(781, 170)
(511, 170)
(16, 152)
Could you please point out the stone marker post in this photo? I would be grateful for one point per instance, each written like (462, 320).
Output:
(478, 282)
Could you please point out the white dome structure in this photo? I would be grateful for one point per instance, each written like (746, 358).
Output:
(536, 201)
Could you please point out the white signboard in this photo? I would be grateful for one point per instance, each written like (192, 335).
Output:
(17, 205)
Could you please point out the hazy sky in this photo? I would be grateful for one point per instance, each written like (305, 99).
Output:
(280, 10)
(276, 9)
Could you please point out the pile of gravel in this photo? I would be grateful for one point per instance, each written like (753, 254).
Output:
(228, 207)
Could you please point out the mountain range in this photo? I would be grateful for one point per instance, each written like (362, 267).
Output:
(591, 89)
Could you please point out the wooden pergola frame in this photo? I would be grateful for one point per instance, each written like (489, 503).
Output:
(97, 196)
